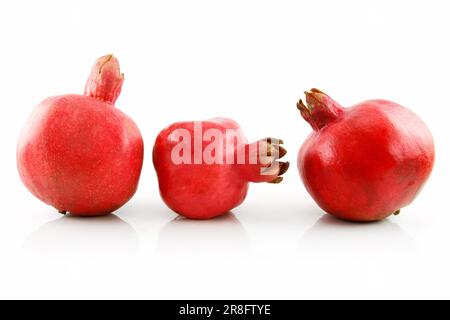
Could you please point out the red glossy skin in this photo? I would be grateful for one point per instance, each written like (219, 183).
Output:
(203, 191)
(365, 162)
(80, 154)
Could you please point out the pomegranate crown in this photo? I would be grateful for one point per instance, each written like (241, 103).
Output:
(320, 109)
(105, 81)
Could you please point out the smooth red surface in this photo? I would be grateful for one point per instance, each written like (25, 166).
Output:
(203, 191)
(368, 161)
(80, 154)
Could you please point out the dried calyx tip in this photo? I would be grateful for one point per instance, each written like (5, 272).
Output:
(276, 180)
(274, 141)
(284, 166)
(301, 106)
(274, 148)
(281, 151)
(317, 91)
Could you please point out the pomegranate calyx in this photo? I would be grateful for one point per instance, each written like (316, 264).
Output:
(268, 168)
(105, 81)
(320, 109)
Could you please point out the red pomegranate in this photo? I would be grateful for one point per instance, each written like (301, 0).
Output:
(204, 167)
(365, 162)
(80, 154)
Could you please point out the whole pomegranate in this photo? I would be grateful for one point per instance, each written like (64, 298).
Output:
(365, 162)
(204, 167)
(80, 154)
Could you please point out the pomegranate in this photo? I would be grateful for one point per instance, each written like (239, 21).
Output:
(204, 167)
(365, 162)
(80, 154)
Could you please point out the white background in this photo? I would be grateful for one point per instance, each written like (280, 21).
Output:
(251, 61)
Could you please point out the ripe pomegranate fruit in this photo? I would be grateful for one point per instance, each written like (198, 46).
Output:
(204, 167)
(80, 154)
(365, 162)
